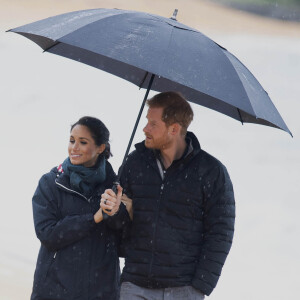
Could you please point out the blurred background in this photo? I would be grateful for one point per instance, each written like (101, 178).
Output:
(41, 95)
(288, 10)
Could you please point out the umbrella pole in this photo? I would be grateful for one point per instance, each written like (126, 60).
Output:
(117, 182)
(134, 129)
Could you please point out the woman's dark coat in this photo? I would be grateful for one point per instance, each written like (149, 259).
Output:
(78, 258)
(183, 224)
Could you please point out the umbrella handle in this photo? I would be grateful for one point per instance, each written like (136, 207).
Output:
(115, 190)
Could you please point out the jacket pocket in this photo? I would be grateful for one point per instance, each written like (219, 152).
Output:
(56, 281)
(49, 265)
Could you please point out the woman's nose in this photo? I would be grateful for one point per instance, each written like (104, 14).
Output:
(75, 146)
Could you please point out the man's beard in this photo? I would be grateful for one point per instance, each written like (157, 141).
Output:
(159, 143)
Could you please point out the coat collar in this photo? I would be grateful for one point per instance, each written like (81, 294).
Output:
(140, 147)
(63, 182)
(150, 156)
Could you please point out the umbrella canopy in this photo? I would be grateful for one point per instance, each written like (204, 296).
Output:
(138, 47)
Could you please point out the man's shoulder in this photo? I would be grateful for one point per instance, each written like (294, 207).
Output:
(208, 160)
(200, 154)
(140, 150)
(134, 157)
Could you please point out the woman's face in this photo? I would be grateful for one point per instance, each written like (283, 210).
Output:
(82, 148)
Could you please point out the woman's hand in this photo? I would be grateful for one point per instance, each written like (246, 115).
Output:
(128, 203)
(98, 216)
(110, 202)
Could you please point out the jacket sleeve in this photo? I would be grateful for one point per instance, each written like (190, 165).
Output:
(218, 222)
(52, 230)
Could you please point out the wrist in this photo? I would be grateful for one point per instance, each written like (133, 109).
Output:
(98, 217)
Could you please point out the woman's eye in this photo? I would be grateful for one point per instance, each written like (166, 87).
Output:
(83, 143)
(72, 141)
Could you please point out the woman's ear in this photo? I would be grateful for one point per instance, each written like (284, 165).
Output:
(101, 148)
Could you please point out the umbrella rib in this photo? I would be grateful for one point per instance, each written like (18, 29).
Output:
(164, 59)
(143, 80)
(239, 112)
(57, 42)
(254, 111)
(224, 51)
(54, 44)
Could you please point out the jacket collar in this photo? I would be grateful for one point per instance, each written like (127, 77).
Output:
(194, 143)
(63, 182)
(193, 150)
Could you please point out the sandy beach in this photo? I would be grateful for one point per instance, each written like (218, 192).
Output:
(201, 14)
(264, 163)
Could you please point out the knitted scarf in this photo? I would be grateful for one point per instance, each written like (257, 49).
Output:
(83, 179)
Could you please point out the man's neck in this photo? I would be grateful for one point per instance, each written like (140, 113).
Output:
(173, 152)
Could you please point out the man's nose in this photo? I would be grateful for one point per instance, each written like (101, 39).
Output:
(146, 128)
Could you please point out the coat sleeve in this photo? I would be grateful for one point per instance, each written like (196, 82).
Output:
(218, 222)
(52, 230)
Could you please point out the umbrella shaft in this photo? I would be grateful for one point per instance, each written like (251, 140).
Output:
(135, 126)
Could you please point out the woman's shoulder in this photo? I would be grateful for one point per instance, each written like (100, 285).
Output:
(110, 173)
(51, 175)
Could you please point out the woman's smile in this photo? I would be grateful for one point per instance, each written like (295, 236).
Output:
(82, 147)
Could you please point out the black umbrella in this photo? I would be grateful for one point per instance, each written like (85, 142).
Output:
(157, 53)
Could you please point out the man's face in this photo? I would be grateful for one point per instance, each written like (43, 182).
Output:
(156, 131)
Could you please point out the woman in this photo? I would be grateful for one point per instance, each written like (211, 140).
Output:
(78, 256)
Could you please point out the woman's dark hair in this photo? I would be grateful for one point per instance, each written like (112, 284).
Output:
(98, 131)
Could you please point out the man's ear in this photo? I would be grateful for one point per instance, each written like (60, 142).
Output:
(174, 129)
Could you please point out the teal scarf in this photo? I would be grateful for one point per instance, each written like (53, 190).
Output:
(84, 180)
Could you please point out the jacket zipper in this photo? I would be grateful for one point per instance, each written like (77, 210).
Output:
(72, 191)
(162, 173)
(49, 266)
(155, 225)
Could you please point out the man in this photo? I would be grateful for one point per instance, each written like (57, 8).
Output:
(183, 209)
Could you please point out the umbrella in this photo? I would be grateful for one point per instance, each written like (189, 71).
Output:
(157, 53)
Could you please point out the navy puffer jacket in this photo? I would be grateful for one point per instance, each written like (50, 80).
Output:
(78, 258)
(183, 223)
